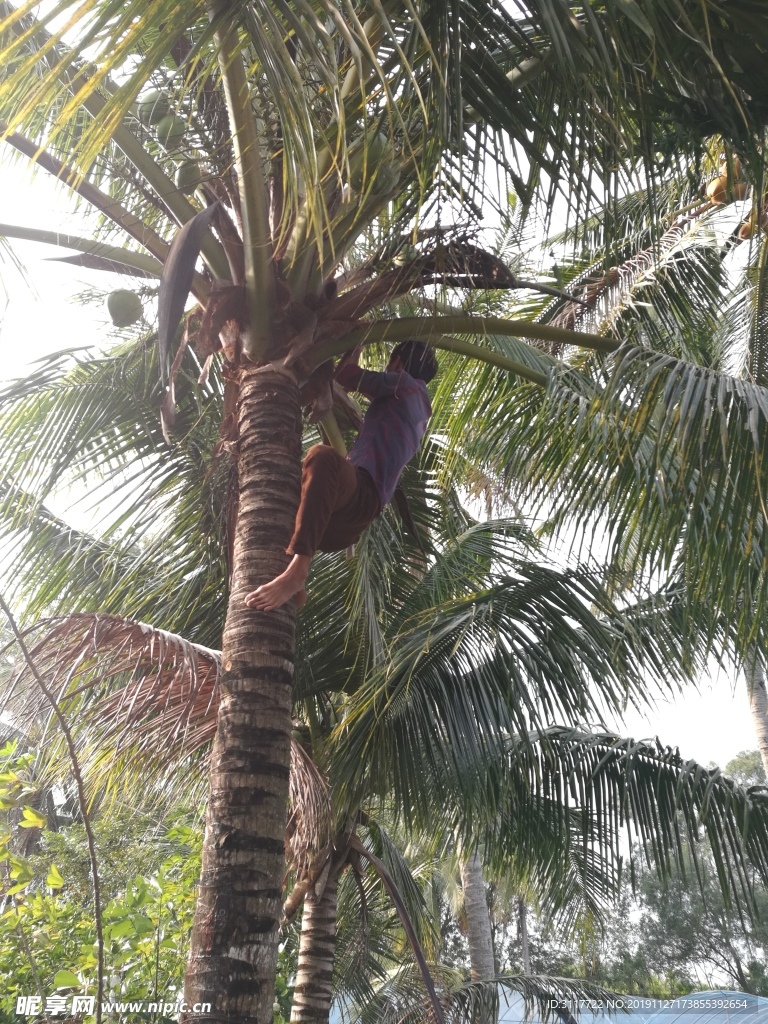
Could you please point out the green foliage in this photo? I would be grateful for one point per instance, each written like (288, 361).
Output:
(747, 768)
(663, 938)
(148, 874)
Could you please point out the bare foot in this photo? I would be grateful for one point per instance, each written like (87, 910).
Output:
(272, 595)
(282, 588)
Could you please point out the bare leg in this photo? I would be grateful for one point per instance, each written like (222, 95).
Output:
(283, 587)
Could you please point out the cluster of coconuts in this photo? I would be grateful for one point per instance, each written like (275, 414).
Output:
(372, 165)
(154, 109)
(727, 189)
(723, 190)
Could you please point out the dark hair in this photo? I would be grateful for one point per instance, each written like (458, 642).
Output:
(418, 359)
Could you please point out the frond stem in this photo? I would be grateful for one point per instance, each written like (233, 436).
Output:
(431, 329)
(116, 212)
(257, 245)
(137, 260)
(333, 433)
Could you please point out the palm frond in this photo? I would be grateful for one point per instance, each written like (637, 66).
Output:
(400, 998)
(144, 701)
(666, 296)
(143, 687)
(681, 471)
(524, 649)
(647, 792)
(758, 321)
(94, 424)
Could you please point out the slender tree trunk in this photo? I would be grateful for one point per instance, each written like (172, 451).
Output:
(233, 954)
(313, 992)
(758, 703)
(479, 938)
(525, 949)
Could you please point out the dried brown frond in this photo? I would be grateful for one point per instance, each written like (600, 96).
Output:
(310, 820)
(141, 696)
(144, 687)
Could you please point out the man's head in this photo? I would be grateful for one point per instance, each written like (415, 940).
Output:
(416, 358)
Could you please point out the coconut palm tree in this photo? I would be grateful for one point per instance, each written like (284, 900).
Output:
(308, 119)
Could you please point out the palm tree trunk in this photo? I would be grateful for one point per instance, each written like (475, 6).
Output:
(313, 992)
(758, 703)
(479, 938)
(525, 949)
(233, 950)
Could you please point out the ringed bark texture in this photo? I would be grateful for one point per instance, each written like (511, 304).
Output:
(313, 993)
(758, 705)
(233, 950)
(479, 937)
(482, 966)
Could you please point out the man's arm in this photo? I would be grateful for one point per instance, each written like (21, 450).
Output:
(370, 383)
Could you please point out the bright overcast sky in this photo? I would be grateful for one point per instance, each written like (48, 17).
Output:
(712, 724)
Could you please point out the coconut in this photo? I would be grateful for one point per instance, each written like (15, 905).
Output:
(745, 229)
(124, 307)
(188, 176)
(386, 179)
(153, 107)
(367, 157)
(170, 131)
(717, 191)
(720, 191)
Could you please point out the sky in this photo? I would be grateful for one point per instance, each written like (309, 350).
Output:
(709, 724)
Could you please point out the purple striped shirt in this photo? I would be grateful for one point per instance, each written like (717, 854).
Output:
(394, 423)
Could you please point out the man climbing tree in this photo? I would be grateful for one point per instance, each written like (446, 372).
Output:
(341, 497)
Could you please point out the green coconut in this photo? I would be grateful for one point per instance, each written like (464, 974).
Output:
(368, 157)
(188, 176)
(170, 131)
(153, 107)
(386, 179)
(124, 307)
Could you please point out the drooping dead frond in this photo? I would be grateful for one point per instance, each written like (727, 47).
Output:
(149, 697)
(144, 687)
(310, 819)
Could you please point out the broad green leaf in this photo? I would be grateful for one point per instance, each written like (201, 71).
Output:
(33, 819)
(17, 888)
(21, 869)
(632, 10)
(121, 929)
(66, 979)
(54, 879)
